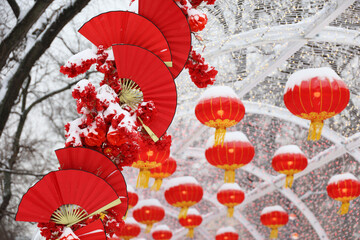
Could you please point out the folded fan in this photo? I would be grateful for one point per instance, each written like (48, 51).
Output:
(92, 231)
(129, 28)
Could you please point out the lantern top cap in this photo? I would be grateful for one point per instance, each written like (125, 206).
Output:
(306, 74)
(225, 230)
(179, 181)
(340, 177)
(193, 211)
(130, 220)
(270, 209)
(288, 149)
(230, 186)
(236, 136)
(148, 202)
(129, 188)
(161, 227)
(218, 91)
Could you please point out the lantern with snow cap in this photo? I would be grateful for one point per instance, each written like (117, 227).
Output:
(165, 170)
(344, 188)
(226, 233)
(130, 230)
(236, 152)
(289, 160)
(183, 192)
(161, 232)
(133, 198)
(219, 107)
(274, 217)
(148, 212)
(192, 220)
(230, 195)
(316, 94)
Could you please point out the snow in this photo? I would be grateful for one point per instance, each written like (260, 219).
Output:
(225, 230)
(130, 220)
(161, 227)
(272, 209)
(180, 180)
(192, 211)
(218, 91)
(230, 186)
(81, 56)
(130, 188)
(236, 136)
(340, 177)
(306, 74)
(68, 234)
(288, 149)
(147, 202)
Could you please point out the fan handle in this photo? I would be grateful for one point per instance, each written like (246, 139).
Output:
(149, 131)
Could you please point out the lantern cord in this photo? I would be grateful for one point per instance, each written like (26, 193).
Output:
(289, 181)
(143, 178)
(315, 129)
(190, 234)
(229, 176)
(230, 212)
(183, 212)
(157, 184)
(220, 136)
(274, 233)
(148, 227)
(344, 208)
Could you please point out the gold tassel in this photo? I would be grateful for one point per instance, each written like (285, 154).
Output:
(230, 211)
(126, 214)
(274, 233)
(344, 209)
(229, 176)
(190, 234)
(148, 228)
(157, 184)
(220, 136)
(289, 181)
(315, 130)
(143, 178)
(183, 212)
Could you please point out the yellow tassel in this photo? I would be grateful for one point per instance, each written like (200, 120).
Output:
(126, 214)
(344, 209)
(229, 176)
(157, 184)
(230, 211)
(220, 136)
(190, 234)
(143, 178)
(289, 181)
(148, 228)
(315, 130)
(183, 212)
(274, 233)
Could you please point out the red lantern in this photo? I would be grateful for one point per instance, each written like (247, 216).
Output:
(344, 188)
(230, 195)
(226, 233)
(219, 107)
(149, 158)
(161, 232)
(236, 152)
(192, 220)
(133, 198)
(316, 94)
(165, 170)
(289, 160)
(274, 217)
(130, 230)
(148, 212)
(183, 192)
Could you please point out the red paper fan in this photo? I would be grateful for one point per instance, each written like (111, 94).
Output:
(171, 21)
(97, 163)
(92, 231)
(65, 192)
(129, 28)
(154, 80)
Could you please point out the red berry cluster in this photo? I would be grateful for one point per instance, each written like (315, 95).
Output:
(200, 72)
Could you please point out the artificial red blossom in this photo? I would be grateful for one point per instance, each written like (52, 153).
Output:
(79, 63)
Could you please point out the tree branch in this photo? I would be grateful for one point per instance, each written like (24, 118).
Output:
(17, 34)
(24, 68)
(21, 172)
(15, 7)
